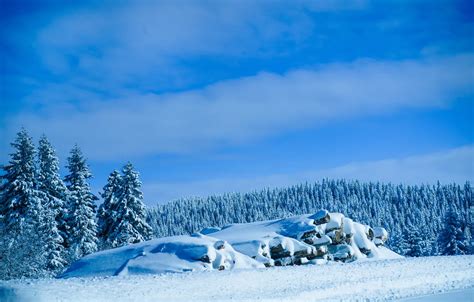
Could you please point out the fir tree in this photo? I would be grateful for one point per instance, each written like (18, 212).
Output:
(54, 252)
(81, 210)
(54, 224)
(393, 207)
(468, 240)
(130, 224)
(107, 213)
(451, 238)
(21, 248)
(398, 243)
(416, 242)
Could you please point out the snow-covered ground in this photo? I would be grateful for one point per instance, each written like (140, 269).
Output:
(361, 280)
(463, 295)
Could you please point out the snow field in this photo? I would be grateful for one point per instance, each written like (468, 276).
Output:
(357, 281)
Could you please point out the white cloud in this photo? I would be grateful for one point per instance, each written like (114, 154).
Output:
(132, 39)
(237, 111)
(455, 165)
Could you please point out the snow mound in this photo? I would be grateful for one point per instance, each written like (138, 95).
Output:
(164, 255)
(306, 239)
(298, 240)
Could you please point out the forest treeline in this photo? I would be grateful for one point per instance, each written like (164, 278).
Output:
(421, 219)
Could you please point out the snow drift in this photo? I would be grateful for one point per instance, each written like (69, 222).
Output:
(298, 240)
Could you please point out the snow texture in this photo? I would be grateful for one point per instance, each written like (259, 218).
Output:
(357, 281)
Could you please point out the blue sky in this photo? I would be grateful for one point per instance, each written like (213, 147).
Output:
(214, 96)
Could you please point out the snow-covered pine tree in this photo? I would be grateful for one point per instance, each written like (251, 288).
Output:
(451, 239)
(53, 250)
(107, 213)
(397, 242)
(390, 206)
(21, 247)
(468, 240)
(130, 223)
(417, 242)
(81, 209)
(54, 205)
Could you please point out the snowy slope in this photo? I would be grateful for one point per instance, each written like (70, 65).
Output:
(297, 240)
(359, 280)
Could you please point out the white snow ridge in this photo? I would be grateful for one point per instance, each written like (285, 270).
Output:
(298, 240)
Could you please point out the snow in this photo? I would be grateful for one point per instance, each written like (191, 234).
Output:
(360, 280)
(163, 255)
(338, 260)
(454, 296)
(294, 240)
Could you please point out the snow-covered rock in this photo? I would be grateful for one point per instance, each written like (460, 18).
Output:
(290, 241)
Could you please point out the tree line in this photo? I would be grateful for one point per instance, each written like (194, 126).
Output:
(422, 219)
(47, 222)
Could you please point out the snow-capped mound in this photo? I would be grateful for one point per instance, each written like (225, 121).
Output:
(306, 238)
(298, 240)
(169, 254)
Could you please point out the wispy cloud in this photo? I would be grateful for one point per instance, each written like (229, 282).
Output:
(140, 42)
(236, 111)
(455, 165)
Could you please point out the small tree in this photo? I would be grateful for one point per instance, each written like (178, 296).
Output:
(82, 226)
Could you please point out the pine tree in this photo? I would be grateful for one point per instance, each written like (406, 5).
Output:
(416, 241)
(21, 249)
(468, 240)
(130, 222)
(54, 252)
(107, 216)
(470, 228)
(54, 224)
(81, 210)
(451, 238)
(398, 243)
